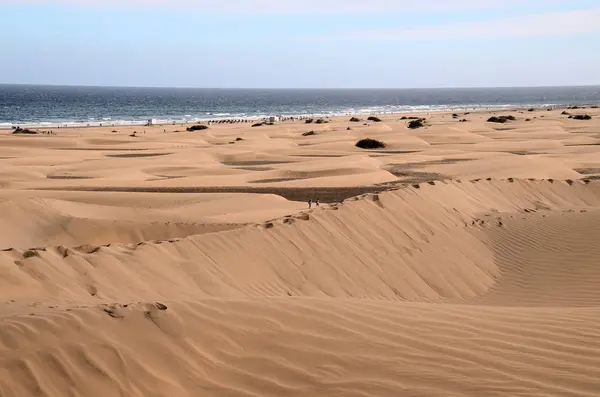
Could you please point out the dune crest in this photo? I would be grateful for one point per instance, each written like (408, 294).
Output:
(438, 287)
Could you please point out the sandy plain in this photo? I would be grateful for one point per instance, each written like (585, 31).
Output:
(460, 260)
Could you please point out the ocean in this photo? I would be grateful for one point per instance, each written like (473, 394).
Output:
(39, 106)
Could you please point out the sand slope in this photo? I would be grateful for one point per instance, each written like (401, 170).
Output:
(440, 294)
(461, 260)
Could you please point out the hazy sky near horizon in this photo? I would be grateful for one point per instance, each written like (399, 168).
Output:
(300, 43)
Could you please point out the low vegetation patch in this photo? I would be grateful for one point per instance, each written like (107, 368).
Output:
(355, 120)
(501, 119)
(321, 121)
(308, 121)
(369, 143)
(198, 127)
(258, 124)
(309, 133)
(26, 131)
(581, 117)
(375, 119)
(416, 124)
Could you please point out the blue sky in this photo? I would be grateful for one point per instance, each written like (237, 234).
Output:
(305, 44)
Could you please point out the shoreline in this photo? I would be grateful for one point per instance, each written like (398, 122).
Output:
(295, 117)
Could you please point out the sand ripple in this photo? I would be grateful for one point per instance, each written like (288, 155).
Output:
(456, 288)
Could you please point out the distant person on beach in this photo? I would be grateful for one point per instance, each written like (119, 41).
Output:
(309, 203)
(317, 202)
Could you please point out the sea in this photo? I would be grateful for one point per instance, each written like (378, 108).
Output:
(57, 106)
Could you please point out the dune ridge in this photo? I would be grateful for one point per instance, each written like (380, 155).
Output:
(437, 296)
(458, 261)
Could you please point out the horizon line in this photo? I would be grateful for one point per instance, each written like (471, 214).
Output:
(295, 88)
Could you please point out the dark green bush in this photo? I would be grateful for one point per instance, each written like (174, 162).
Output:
(369, 143)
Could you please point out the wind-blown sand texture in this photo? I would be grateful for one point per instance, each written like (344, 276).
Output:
(461, 260)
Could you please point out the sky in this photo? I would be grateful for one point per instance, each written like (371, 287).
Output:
(300, 43)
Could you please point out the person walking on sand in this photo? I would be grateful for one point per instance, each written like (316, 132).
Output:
(309, 203)
(317, 202)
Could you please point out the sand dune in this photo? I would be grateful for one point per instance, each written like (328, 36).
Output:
(44, 221)
(483, 284)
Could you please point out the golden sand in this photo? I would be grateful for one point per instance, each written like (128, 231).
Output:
(461, 260)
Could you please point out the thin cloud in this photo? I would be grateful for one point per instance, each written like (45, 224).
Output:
(305, 6)
(555, 24)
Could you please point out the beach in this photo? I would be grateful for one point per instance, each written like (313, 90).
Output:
(460, 258)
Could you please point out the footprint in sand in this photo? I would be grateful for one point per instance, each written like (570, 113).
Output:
(376, 199)
(87, 249)
(63, 251)
(167, 322)
(113, 311)
(91, 289)
(30, 254)
(303, 217)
